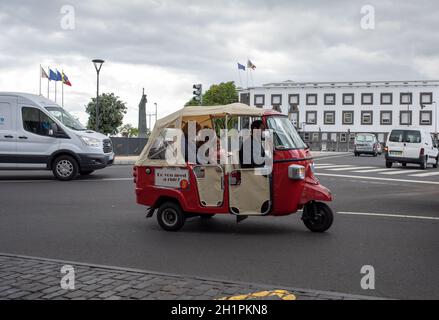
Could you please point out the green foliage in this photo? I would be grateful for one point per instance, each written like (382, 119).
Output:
(129, 131)
(111, 113)
(218, 94)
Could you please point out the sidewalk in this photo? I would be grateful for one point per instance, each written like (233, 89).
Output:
(130, 160)
(31, 278)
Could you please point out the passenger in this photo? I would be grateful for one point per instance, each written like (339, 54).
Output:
(254, 138)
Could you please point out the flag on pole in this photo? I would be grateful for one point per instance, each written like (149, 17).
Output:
(52, 75)
(65, 80)
(250, 65)
(241, 67)
(43, 73)
(58, 76)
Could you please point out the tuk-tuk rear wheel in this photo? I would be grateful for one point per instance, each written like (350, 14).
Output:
(317, 216)
(170, 216)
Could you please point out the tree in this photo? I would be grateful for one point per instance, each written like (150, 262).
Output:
(111, 112)
(128, 131)
(218, 94)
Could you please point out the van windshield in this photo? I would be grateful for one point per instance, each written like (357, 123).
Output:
(407, 136)
(284, 134)
(66, 118)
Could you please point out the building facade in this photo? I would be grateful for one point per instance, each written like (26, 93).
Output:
(328, 114)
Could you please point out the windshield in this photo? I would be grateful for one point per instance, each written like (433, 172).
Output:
(284, 134)
(66, 118)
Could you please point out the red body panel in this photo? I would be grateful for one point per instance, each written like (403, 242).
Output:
(288, 195)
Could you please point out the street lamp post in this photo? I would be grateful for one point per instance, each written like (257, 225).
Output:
(435, 120)
(98, 65)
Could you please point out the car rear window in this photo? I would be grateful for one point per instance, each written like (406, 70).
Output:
(407, 136)
(364, 138)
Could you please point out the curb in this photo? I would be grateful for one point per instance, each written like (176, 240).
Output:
(310, 292)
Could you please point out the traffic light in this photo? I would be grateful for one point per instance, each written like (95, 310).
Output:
(198, 91)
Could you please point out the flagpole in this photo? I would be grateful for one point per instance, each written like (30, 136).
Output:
(55, 89)
(251, 77)
(62, 94)
(48, 81)
(39, 71)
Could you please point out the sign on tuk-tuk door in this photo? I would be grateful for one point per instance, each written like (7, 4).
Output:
(171, 177)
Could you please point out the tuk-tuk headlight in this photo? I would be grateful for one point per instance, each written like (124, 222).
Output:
(296, 172)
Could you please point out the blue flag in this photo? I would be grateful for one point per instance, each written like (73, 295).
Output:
(53, 75)
(241, 67)
(58, 76)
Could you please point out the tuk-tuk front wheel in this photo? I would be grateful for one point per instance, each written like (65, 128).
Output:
(317, 216)
(170, 216)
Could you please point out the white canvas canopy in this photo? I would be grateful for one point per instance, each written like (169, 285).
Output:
(200, 114)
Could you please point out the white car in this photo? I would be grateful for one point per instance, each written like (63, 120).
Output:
(36, 133)
(411, 145)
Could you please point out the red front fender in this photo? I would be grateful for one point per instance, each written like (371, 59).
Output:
(313, 191)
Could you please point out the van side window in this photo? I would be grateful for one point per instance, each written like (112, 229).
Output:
(36, 121)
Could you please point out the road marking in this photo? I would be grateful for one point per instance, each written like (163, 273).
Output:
(52, 180)
(401, 171)
(387, 215)
(426, 174)
(374, 170)
(350, 168)
(330, 157)
(334, 166)
(281, 294)
(376, 178)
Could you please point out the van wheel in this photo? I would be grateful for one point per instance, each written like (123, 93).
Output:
(170, 216)
(65, 168)
(317, 216)
(388, 164)
(435, 165)
(424, 163)
(85, 172)
(404, 164)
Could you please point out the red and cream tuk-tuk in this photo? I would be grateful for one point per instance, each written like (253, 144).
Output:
(177, 190)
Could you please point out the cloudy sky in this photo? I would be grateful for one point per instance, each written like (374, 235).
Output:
(165, 46)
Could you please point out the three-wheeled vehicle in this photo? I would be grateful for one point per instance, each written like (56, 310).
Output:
(178, 190)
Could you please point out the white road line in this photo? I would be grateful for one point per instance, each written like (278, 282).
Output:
(388, 215)
(376, 178)
(330, 157)
(401, 171)
(334, 166)
(425, 174)
(49, 180)
(350, 168)
(373, 170)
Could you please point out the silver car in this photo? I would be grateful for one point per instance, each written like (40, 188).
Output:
(367, 143)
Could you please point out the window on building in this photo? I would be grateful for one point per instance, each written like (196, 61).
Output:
(386, 98)
(343, 137)
(381, 137)
(406, 98)
(366, 117)
(311, 117)
(276, 99)
(36, 121)
(293, 99)
(386, 117)
(425, 118)
(367, 98)
(329, 117)
(306, 136)
(426, 98)
(244, 98)
(348, 117)
(329, 98)
(348, 98)
(311, 99)
(294, 117)
(324, 136)
(315, 136)
(405, 117)
(334, 137)
(259, 100)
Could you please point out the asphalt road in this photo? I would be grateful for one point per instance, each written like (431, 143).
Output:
(96, 220)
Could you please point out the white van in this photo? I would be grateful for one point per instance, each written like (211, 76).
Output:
(411, 145)
(36, 133)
